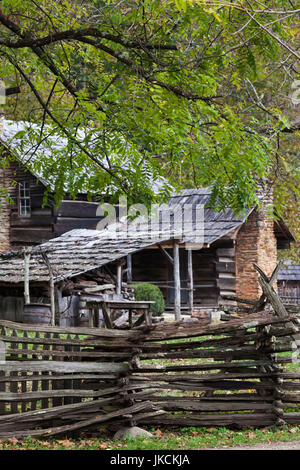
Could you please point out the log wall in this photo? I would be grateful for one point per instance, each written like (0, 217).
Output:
(153, 267)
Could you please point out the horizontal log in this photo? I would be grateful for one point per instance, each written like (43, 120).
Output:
(225, 267)
(77, 209)
(230, 252)
(217, 420)
(29, 396)
(253, 397)
(290, 418)
(204, 366)
(30, 235)
(180, 330)
(78, 425)
(101, 343)
(290, 386)
(97, 332)
(220, 353)
(198, 405)
(54, 353)
(239, 299)
(227, 340)
(205, 377)
(226, 283)
(63, 367)
(37, 377)
(215, 386)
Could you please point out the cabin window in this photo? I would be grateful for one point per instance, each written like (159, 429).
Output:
(24, 199)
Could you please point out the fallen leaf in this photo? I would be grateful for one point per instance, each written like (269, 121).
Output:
(293, 430)
(158, 432)
(13, 440)
(66, 443)
(103, 445)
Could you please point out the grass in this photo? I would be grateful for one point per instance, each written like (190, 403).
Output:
(182, 439)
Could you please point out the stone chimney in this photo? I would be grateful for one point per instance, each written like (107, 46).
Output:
(256, 243)
(4, 204)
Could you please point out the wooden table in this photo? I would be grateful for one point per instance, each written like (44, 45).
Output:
(107, 306)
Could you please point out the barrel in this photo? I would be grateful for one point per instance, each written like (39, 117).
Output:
(37, 314)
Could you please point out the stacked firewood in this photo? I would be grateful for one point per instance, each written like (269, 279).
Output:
(98, 283)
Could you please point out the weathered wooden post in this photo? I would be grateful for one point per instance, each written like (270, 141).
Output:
(119, 278)
(191, 278)
(129, 268)
(27, 255)
(177, 286)
(51, 288)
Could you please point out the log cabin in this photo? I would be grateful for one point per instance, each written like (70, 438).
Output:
(25, 219)
(289, 283)
(193, 269)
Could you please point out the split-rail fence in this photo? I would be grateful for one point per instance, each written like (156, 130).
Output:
(242, 372)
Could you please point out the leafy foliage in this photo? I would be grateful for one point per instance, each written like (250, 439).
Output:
(194, 88)
(145, 291)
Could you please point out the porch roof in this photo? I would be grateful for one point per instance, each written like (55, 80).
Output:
(80, 251)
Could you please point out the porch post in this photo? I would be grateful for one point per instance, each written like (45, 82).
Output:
(119, 278)
(51, 288)
(177, 286)
(129, 268)
(27, 254)
(191, 278)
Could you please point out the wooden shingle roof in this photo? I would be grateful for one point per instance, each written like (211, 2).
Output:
(80, 251)
(290, 272)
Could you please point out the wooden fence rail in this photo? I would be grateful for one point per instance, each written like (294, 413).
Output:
(242, 372)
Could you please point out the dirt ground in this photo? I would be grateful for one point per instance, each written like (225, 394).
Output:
(294, 445)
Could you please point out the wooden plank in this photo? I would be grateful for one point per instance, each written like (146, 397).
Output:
(129, 268)
(81, 424)
(87, 342)
(215, 420)
(225, 267)
(13, 386)
(181, 330)
(81, 209)
(197, 405)
(119, 278)
(45, 394)
(97, 332)
(106, 316)
(64, 367)
(177, 283)
(166, 254)
(30, 235)
(191, 278)
(226, 283)
(228, 252)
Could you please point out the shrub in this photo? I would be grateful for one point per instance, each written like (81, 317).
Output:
(145, 291)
